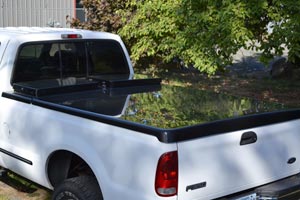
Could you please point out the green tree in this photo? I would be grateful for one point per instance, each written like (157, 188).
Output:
(152, 30)
(201, 32)
(104, 15)
(284, 16)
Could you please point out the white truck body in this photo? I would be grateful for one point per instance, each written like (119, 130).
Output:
(211, 164)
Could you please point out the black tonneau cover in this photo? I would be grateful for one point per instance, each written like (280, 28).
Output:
(169, 113)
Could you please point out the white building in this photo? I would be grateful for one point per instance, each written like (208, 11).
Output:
(39, 12)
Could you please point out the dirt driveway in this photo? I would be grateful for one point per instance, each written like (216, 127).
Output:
(13, 187)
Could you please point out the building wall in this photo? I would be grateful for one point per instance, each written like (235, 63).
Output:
(36, 12)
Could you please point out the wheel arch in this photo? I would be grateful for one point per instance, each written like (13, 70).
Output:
(64, 164)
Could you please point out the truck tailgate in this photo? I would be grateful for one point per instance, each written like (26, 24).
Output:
(223, 164)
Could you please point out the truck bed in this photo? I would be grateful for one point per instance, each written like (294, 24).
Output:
(171, 114)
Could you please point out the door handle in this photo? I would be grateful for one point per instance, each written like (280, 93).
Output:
(248, 138)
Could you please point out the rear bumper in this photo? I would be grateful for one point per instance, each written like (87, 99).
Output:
(285, 189)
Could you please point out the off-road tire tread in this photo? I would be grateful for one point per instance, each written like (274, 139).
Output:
(87, 187)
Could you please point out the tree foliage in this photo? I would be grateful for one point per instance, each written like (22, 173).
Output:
(104, 15)
(152, 30)
(284, 16)
(201, 32)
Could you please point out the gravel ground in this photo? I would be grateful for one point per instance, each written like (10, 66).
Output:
(14, 189)
(10, 193)
(246, 64)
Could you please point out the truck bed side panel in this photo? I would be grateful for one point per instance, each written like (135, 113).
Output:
(124, 161)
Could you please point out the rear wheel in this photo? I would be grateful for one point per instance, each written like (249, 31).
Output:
(78, 188)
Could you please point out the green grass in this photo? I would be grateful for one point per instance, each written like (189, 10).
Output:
(3, 197)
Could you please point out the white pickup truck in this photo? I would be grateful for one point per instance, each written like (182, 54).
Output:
(74, 119)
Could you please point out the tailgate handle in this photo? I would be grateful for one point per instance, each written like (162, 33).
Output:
(248, 138)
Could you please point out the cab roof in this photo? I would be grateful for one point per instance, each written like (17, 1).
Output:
(48, 33)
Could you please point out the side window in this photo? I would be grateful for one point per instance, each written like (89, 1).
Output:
(28, 64)
(31, 52)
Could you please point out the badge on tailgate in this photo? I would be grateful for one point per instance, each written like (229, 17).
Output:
(195, 186)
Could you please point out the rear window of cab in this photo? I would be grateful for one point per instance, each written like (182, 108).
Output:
(64, 59)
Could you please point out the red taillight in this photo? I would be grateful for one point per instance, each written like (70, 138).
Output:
(71, 36)
(166, 180)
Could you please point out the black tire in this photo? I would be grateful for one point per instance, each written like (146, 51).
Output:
(78, 188)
